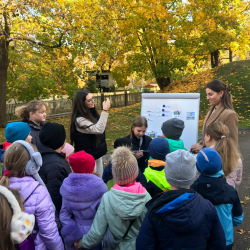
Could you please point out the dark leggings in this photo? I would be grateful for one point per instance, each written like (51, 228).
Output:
(229, 247)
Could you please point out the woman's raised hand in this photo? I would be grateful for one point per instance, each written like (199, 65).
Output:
(106, 104)
(196, 148)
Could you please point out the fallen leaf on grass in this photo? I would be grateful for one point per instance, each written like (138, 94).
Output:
(245, 200)
(240, 231)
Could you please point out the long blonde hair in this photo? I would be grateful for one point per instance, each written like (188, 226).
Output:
(224, 146)
(15, 159)
(32, 106)
(5, 220)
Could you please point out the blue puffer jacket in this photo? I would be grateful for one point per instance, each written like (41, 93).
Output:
(180, 219)
(225, 199)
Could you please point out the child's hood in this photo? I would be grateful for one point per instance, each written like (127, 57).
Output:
(182, 211)
(156, 163)
(83, 188)
(127, 205)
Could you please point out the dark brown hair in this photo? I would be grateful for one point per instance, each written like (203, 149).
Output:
(139, 121)
(79, 109)
(217, 86)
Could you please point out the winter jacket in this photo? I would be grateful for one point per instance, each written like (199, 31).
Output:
(234, 179)
(53, 171)
(85, 138)
(39, 203)
(225, 199)
(35, 129)
(108, 177)
(82, 195)
(175, 145)
(143, 161)
(155, 176)
(116, 210)
(180, 219)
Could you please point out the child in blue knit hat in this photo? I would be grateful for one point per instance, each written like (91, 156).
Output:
(213, 187)
(154, 173)
(13, 132)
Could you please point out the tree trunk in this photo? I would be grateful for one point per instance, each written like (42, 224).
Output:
(230, 55)
(4, 62)
(163, 82)
(214, 58)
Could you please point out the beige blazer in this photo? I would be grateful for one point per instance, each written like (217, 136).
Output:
(227, 117)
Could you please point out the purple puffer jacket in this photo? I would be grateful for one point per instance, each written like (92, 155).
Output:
(39, 203)
(82, 195)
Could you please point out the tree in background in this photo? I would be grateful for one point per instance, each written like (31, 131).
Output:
(218, 25)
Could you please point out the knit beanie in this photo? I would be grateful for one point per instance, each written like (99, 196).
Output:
(173, 128)
(82, 163)
(122, 142)
(124, 166)
(208, 162)
(17, 131)
(158, 148)
(68, 149)
(52, 135)
(180, 168)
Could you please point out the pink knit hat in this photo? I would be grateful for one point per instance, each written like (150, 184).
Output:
(68, 149)
(124, 166)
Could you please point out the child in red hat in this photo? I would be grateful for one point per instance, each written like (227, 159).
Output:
(81, 195)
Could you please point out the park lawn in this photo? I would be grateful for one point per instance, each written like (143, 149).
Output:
(235, 74)
(119, 123)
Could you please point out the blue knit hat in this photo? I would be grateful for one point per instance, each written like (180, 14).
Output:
(17, 131)
(208, 162)
(158, 148)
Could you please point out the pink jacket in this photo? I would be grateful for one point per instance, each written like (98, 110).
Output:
(39, 203)
(234, 179)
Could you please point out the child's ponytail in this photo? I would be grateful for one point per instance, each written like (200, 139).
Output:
(224, 146)
(32, 106)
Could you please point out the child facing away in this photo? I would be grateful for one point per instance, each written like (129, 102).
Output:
(13, 132)
(140, 141)
(122, 209)
(212, 186)
(81, 192)
(55, 168)
(23, 162)
(172, 130)
(154, 173)
(34, 114)
(15, 225)
(217, 137)
(180, 218)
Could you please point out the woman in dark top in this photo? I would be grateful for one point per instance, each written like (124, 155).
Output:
(87, 128)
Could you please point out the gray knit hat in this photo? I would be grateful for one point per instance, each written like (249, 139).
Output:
(124, 166)
(173, 128)
(180, 170)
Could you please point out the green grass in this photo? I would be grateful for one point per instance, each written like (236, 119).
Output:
(119, 123)
(235, 74)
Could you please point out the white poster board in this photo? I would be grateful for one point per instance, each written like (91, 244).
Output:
(159, 107)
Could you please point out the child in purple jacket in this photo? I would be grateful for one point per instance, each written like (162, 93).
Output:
(23, 163)
(81, 195)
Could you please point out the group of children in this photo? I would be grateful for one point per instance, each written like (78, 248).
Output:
(160, 195)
